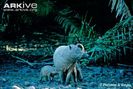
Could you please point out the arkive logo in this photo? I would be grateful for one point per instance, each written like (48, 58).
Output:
(20, 6)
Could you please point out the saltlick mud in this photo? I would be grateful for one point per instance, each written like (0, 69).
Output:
(25, 77)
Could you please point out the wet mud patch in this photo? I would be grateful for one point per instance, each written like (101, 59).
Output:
(26, 77)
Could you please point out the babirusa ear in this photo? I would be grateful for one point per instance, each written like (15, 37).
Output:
(81, 46)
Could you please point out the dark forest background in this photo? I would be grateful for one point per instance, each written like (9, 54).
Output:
(104, 27)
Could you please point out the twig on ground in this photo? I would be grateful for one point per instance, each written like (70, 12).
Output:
(45, 62)
(23, 60)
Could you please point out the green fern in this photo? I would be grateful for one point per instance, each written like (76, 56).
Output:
(121, 8)
(82, 30)
(66, 21)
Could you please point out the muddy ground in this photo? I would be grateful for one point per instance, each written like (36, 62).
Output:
(95, 77)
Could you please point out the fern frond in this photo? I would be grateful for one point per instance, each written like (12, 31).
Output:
(121, 8)
(67, 24)
(66, 20)
(83, 30)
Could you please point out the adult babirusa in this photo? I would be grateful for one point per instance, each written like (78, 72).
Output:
(66, 61)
